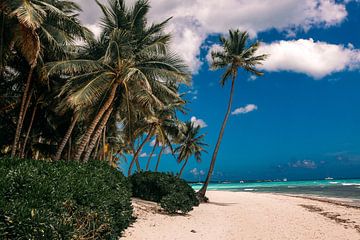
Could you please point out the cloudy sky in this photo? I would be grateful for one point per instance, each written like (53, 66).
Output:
(300, 120)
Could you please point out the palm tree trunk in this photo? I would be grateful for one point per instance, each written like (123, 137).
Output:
(66, 137)
(22, 113)
(104, 144)
(2, 46)
(97, 134)
(203, 189)
(97, 148)
(151, 154)
(183, 167)
(28, 131)
(136, 155)
(69, 149)
(86, 137)
(159, 157)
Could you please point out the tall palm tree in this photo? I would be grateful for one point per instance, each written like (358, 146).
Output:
(191, 144)
(237, 54)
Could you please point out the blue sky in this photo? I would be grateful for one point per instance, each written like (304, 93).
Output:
(304, 113)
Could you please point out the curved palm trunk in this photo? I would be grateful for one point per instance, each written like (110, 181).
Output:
(95, 155)
(66, 137)
(203, 189)
(136, 155)
(97, 134)
(102, 156)
(2, 46)
(22, 155)
(86, 137)
(151, 154)
(159, 158)
(69, 149)
(183, 167)
(22, 113)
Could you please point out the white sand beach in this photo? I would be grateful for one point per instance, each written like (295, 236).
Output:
(248, 216)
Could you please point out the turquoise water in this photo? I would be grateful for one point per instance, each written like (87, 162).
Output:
(349, 188)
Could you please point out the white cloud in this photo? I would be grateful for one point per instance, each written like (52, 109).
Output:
(167, 151)
(252, 78)
(314, 58)
(152, 143)
(215, 48)
(194, 20)
(197, 172)
(96, 29)
(143, 155)
(198, 122)
(243, 110)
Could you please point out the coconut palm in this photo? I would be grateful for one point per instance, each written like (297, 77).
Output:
(34, 27)
(156, 143)
(162, 125)
(191, 144)
(135, 60)
(237, 54)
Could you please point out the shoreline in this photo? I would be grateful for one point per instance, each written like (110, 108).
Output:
(249, 215)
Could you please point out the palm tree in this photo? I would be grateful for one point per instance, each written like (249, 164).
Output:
(133, 59)
(191, 144)
(156, 143)
(237, 54)
(35, 27)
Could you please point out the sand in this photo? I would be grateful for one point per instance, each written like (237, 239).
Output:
(250, 216)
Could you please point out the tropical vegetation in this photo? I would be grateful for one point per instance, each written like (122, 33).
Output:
(65, 94)
(62, 200)
(174, 195)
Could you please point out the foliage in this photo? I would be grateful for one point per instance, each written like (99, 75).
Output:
(62, 200)
(173, 193)
(176, 202)
(191, 143)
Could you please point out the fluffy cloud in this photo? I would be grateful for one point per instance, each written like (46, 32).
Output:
(243, 110)
(143, 155)
(213, 48)
(314, 58)
(198, 122)
(94, 28)
(194, 20)
(197, 172)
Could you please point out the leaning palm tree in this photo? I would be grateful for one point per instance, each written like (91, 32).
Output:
(191, 144)
(236, 54)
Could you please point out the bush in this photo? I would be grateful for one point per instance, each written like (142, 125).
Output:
(173, 194)
(62, 200)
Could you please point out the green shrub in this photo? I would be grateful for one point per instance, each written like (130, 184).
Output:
(173, 194)
(62, 200)
(176, 202)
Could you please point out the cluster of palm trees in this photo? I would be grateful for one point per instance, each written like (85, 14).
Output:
(67, 95)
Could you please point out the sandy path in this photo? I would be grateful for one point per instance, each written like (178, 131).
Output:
(250, 216)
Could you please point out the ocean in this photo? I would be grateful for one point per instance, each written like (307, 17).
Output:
(349, 188)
